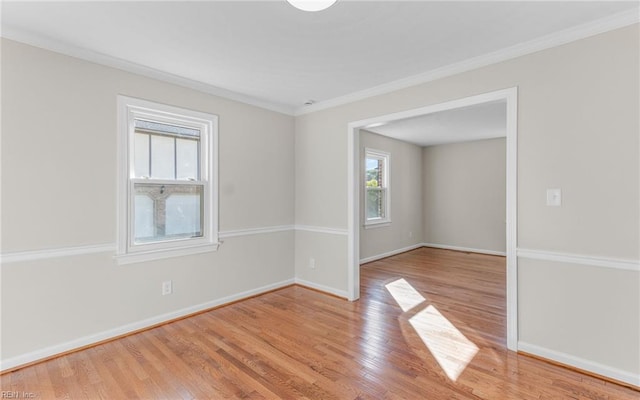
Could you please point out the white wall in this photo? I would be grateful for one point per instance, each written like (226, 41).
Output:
(464, 188)
(405, 229)
(59, 192)
(578, 124)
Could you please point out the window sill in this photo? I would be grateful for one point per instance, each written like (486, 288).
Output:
(143, 256)
(381, 224)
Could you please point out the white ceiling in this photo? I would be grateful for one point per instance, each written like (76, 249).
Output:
(268, 52)
(478, 122)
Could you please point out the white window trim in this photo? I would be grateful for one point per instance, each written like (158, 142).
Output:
(128, 109)
(378, 222)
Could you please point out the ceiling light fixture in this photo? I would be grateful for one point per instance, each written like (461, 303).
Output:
(311, 5)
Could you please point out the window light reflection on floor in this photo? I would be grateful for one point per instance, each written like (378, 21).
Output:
(447, 344)
(405, 295)
(451, 349)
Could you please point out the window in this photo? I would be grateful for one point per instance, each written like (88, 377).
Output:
(167, 182)
(376, 180)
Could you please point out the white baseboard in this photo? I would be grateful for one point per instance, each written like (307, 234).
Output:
(322, 288)
(390, 253)
(581, 363)
(467, 249)
(50, 351)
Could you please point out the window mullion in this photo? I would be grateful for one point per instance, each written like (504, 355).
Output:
(175, 158)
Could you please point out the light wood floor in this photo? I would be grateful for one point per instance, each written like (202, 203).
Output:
(447, 343)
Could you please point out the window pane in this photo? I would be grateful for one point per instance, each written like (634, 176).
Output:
(374, 172)
(167, 212)
(187, 159)
(143, 214)
(141, 155)
(183, 215)
(375, 203)
(162, 157)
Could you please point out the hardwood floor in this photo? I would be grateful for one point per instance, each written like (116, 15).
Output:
(430, 325)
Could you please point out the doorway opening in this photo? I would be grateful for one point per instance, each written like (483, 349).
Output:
(508, 96)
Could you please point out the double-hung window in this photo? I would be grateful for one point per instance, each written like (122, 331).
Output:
(167, 182)
(376, 180)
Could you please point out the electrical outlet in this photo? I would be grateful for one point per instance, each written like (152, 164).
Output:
(312, 263)
(167, 288)
(410, 234)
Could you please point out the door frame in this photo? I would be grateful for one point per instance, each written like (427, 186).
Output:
(509, 95)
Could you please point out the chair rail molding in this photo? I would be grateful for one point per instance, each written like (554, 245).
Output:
(570, 258)
(68, 251)
(31, 255)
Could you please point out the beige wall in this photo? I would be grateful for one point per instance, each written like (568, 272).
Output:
(405, 229)
(464, 188)
(579, 307)
(578, 127)
(324, 261)
(59, 191)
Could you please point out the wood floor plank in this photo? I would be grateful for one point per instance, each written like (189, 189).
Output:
(443, 336)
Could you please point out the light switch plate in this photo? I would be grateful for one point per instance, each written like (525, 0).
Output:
(554, 197)
(167, 288)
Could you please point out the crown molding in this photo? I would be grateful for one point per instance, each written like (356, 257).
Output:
(19, 35)
(569, 35)
(616, 21)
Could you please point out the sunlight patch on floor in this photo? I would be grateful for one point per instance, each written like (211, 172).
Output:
(451, 349)
(405, 295)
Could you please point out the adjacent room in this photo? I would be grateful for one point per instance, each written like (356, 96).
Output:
(320, 199)
(439, 177)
